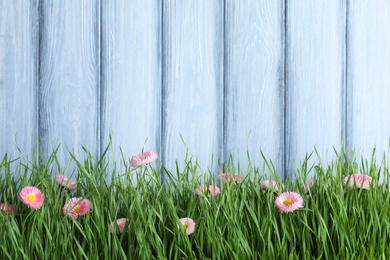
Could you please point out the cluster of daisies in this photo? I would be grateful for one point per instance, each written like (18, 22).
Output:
(285, 202)
(142, 160)
(34, 198)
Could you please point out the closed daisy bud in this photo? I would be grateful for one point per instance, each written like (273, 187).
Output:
(118, 225)
(228, 177)
(307, 185)
(208, 190)
(67, 183)
(271, 185)
(6, 209)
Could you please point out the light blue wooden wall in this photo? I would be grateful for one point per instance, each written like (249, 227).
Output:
(293, 74)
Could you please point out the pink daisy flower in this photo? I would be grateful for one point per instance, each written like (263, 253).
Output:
(64, 181)
(6, 209)
(143, 159)
(32, 197)
(76, 207)
(361, 181)
(228, 177)
(208, 190)
(308, 185)
(271, 185)
(289, 202)
(188, 225)
(118, 225)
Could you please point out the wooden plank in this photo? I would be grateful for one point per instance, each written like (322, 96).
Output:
(69, 77)
(369, 77)
(315, 79)
(192, 80)
(18, 77)
(131, 69)
(254, 93)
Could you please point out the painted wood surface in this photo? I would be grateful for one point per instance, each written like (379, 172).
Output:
(254, 82)
(296, 74)
(369, 76)
(18, 76)
(131, 76)
(315, 75)
(69, 77)
(192, 80)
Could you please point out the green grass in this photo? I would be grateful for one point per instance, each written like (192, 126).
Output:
(241, 223)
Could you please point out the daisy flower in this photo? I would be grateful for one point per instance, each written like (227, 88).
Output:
(188, 225)
(6, 209)
(271, 185)
(361, 181)
(289, 202)
(118, 225)
(76, 207)
(143, 159)
(209, 190)
(228, 177)
(64, 181)
(32, 197)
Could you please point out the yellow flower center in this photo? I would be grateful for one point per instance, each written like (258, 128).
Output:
(143, 157)
(288, 202)
(77, 209)
(31, 198)
(185, 226)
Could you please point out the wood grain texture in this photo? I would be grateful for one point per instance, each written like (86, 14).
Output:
(254, 92)
(18, 77)
(131, 67)
(315, 79)
(210, 70)
(192, 80)
(69, 77)
(369, 76)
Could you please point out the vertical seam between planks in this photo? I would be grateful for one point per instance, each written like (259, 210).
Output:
(39, 79)
(285, 151)
(346, 87)
(162, 89)
(99, 101)
(224, 85)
